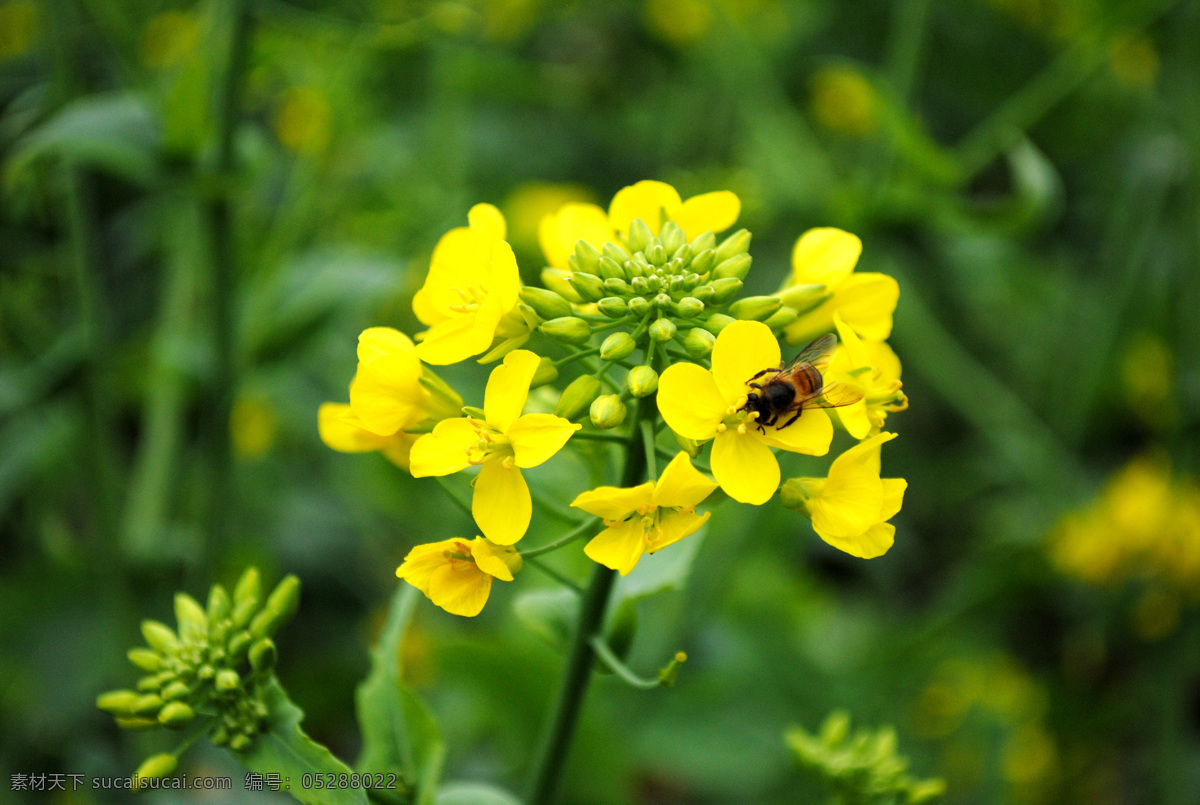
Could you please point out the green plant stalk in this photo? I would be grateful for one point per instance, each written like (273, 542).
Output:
(578, 673)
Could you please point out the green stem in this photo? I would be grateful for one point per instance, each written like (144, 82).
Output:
(596, 436)
(575, 356)
(566, 539)
(554, 574)
(465, 505)
(613, 663)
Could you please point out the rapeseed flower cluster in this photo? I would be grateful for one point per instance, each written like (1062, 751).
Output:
(641, 322)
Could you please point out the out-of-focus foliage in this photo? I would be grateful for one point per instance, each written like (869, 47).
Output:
(1026, 170)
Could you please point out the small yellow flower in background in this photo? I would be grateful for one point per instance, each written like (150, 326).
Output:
(1133, 60)
(653, 202)
(678, 22)
(18, 24)
(1147, 371)
(528, 205)
(501, 445)
(252, 426)
(874, 370)
(699, 404)
(850, 508)
(472, 283)
(303, 120)
(844, 101)
(648, 517)
(865, 302)
(169, 38)
(457, 574)
(392, 393)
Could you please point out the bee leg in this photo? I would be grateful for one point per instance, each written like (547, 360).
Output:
(790, 421)
(760, 374)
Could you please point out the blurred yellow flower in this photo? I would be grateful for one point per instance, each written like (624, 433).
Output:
(648, 517)
(341, 430)
(501, 445)
(874, 370)
(844, 101)
(252, 426)
(1147, 372)
(169, 38)
(865, 302)
(700, 404)
(456, 574)
(1133, 60)
(472, 283)
(850, 508)
(530, 203)
(302, 120)
(18, 25)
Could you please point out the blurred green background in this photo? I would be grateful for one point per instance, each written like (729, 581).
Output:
(189, 247)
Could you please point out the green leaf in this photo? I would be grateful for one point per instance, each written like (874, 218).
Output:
(284, 749)
(550, 614)
(399, 733)
(474, 794)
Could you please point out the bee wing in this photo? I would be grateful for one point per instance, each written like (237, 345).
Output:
(835, 395)
(817, 353)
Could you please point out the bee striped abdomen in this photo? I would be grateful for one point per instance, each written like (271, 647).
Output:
(808, 380)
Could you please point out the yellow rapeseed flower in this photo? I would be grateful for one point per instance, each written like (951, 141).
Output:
(865, 302)
(472, 283)
(501, 445)
(648, 517)
(699, 404)
(653, 202)
(457, 574)
(844, 101)
(850, 508)
(873, 369)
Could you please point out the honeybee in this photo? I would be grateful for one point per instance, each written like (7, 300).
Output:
(797, 386)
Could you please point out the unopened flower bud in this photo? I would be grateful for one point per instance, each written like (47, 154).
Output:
(145, 658)
(118, 702)
(607, 411)
(725, 289)
(641, 381)
(577, 396)
(191, 617)
(639, 235)
(559, 281)
(227, 679)
(803, 298)
(613, 306)
(689, 307)
(662, 330)
(176, 714)
(616, 251)
(705, 240)
(689, 446)
(160, 637)
(683, 254)
(698, 342)
(656, 254)
(617, 346)
(702, 261)
(589, 287)
(284, 600)
(546, 372)
(672, 237)
(737, 266)
(611, 269)
(755, 308)
(781, 318)
(219, 606)
(154, 767)
(794, 495)
(249, 587)
(238, 645)
(703, 292)
(176, 690)
(240, 742)
(718, 322)
(587, 255)
(263, 655)
(136, 722)
(737, 243)
(147, 703)
(639, 306)
(641, 285)
(568, 330)
(545, 303)
(219, 736)
(616, 286)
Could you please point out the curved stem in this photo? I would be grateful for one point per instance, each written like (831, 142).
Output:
(613, 663)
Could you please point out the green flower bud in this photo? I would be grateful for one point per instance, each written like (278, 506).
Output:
(639, 306)
(672, 237)
(136, 722)
(803, 298)
(238, 645)
(698, 342)
(736, 266)
(616, 251)
(263, 655)
(689, 307)
(663, 302)
(160, 637)
(703, 261)
(737, 243)
(243, 612)
(588, 256)
(150, 684)
(285, 598)
(473, 412)
(227, 680)
(191, 617)
(725, 289)
(577, 397)
(240, 742)
(611, 269)
(689, 446)
(249, 587)
(176, 690)
(703, 292)
(615, 286)
(641, 285)
(147, 703)
(219, 606)
(219, 736)
(613, 306)
(662, 330)
(156, 766)
(559, 281)
(652, 284)
(636, 267)
(607, 411)
(667, 675)
(656, 254)
(781, 318)
(705, 240)
(206, 671)
(718, 322)
(683, 254)
(639, 235)
(546, 304)
(755, 308)
(617, 346)
(546, 372)
(589, 287)
(145, 659)
(641, 381)
(118, 702)
(568, 330)
(176, 714)
(794, 495)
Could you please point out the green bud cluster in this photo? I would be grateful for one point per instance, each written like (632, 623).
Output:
(863, 767)
(214, 665)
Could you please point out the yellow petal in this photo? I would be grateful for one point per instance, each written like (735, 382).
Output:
(743, 349)
(893, 497)
(507, 388)
(884, 360)
(386, 395)
(458, 338)
(487, 222)
(874, 542)
(375, 342)
(744, 467)
(866, 303)
(460, 588)
(824, 256)
(681, 485)
(340, 430)
(560, 231)
(690, 401)
(423, 560)
(863, 456)
(504, 280)
(536, 437)
(614, 502)
(674, 526)
(811, 434)
(854, 419)
(619, 547)
(501, 504)
(443, 451)
(708, 212)
(399, 448)
(498, 561)
(653, 202)
(856, 351)
(424, 310)
(847, 504)
(461, 259)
